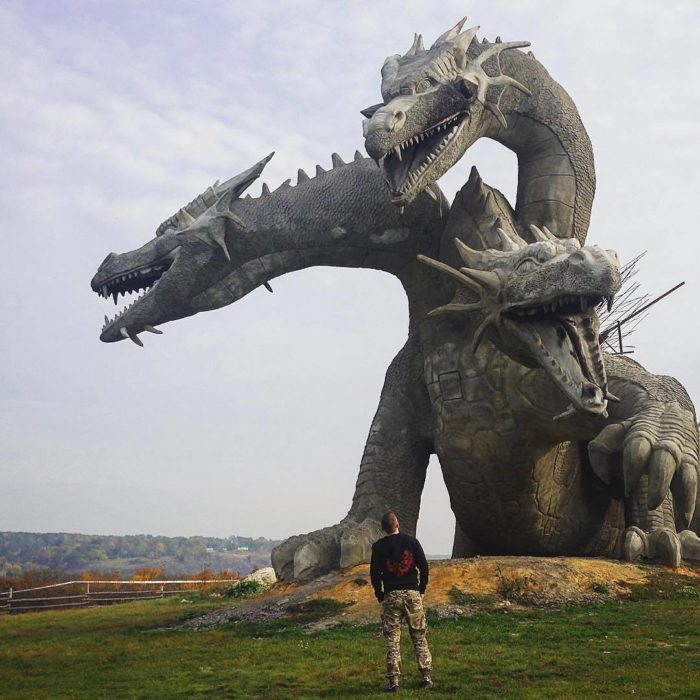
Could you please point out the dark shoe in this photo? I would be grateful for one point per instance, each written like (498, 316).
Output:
(391, 688)
(427, 682)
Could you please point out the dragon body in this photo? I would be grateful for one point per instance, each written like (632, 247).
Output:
(547, 445)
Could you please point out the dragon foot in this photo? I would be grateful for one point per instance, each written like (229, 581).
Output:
(663, 544)
(305, 557)
(690, 545)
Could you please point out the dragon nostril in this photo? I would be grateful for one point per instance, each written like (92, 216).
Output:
(397, 120)
(577, 258)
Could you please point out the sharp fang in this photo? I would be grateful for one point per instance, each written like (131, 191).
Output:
(611, 397)
(401, 210)
(151, 329)
(432, 194)
(268, 287)
(565, 414)
(106, 319)
(397, 152)
(104, 291)
(114, 296)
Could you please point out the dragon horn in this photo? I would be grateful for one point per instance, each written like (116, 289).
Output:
(416, 47)
(507, 81)
(185, 217)
(550, 235)
(498, 48)
(507, 243)
(450, 34)
(538, 234)
(470, 257)
(238, 184)
(466, 38)
(463, 279)
(487, 280)
(456, 308)
(496, 111)
(480, 331)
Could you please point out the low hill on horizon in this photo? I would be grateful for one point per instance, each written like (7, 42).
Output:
(75, 552)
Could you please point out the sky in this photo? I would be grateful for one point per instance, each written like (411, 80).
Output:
(251, 420)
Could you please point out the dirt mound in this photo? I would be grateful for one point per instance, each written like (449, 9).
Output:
(457, 587)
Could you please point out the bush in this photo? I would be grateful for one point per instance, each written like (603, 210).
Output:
(513, 588)
(244, 589)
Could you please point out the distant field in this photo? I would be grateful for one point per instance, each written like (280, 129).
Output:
(644, 647)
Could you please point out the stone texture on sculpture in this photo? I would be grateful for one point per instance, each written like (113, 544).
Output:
(547, 444)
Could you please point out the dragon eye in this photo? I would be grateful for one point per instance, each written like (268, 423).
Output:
(424, 84)
(527, 265)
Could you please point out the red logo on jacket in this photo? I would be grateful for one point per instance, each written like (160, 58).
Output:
(402, 566)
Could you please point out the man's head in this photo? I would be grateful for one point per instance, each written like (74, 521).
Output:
(390, 523)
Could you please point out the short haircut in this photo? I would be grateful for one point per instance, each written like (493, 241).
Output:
(389, 522)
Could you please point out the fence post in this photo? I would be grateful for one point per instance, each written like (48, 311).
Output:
(162, 595)
(10, 598)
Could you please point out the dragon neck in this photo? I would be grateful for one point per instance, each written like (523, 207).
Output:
(556, 175)
(339, 218)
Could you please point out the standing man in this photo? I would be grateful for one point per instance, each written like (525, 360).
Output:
(397, 561)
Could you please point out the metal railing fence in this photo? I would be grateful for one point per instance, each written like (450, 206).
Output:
(40, 598)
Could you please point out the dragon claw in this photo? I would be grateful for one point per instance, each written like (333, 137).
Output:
(635, 544)
(305, 557)
(663, 544)
(660, 441)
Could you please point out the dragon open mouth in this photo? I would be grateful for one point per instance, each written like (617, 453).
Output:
(563, 335)
(146, 277)
(407, 164)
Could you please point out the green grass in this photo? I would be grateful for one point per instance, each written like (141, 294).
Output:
(645, 647)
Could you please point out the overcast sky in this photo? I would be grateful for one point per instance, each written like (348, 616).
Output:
(251, 420)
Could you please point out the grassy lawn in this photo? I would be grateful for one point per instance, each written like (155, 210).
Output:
(644, 647)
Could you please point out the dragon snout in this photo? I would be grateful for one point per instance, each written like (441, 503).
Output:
(593, 256)
(100, 270)
(386, 120)
(597, 264)
(380, 128)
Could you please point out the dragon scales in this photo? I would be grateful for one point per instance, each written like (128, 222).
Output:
(547, 445)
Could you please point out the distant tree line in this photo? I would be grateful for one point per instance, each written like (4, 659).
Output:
(60, 551)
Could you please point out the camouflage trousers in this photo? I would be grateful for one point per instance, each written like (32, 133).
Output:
(397, 605)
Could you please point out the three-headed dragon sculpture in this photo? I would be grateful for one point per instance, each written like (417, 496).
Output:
(548, 445)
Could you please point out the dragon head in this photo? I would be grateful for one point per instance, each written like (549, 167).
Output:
(539, 305)
(435, 103)
(192, 251)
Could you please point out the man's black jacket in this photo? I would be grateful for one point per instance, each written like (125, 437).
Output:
(396, 562)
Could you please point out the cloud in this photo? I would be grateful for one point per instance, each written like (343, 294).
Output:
(113, 115)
